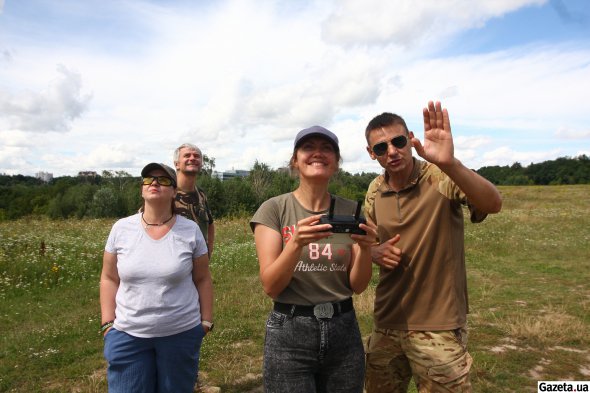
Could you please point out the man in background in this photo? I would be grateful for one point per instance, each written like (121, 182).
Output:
(191, 201)
(420, 318)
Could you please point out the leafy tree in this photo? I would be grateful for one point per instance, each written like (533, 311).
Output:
(117, 193)
(105, 203)
(240, 199)
(74, 202)
(260, 179)
(215, 194)
(208, 165)
(282, 183)
(130, 198)
(118, 179)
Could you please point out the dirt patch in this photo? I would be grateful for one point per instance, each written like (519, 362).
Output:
(536, 372)
(584, 369)
(248, 378)
(560, 348)
(508, 344)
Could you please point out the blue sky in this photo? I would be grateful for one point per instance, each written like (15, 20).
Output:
(95, 85)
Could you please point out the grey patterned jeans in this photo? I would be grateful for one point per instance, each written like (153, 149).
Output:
(307, 355)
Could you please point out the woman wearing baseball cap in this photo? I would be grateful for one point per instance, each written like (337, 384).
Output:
(156, 293)
(313, 342)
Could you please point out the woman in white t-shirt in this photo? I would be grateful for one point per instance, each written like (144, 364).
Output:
(156, 293)
(313, 342)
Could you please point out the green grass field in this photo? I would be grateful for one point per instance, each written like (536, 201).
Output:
(528, 270)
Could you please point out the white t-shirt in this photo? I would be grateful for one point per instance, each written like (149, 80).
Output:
(156, 296)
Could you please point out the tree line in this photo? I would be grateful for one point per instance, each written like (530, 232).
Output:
(564, 170)
(117, 193)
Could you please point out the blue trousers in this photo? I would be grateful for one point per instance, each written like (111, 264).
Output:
(308, 355)
(153, 365)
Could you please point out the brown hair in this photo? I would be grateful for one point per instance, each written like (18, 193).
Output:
(385, 119)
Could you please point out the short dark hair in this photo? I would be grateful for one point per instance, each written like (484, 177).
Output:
(385, 119)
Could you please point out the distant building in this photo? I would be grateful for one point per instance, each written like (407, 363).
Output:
(45, 176)
(230, 174)
(87, 174)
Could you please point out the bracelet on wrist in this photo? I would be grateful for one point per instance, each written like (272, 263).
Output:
(207, 324)
(105, 326)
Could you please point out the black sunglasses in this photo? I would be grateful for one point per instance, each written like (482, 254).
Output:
(399, 142)
(161, 180)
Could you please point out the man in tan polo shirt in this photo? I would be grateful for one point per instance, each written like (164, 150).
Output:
(421, 300)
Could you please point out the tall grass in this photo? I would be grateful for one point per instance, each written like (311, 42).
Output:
(528, 273)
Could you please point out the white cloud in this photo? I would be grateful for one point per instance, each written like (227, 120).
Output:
(15, 138)
(407, 22)
(5, 56)
(471, 142)
(531, 89)
(568, 133)
(52, 109)
(240, 78)
(102, 157)
(507, 156)
(11, 160)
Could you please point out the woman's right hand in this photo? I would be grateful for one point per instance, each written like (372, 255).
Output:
(277, 263)
(308, 231)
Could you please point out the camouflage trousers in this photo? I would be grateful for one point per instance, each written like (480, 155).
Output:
(438, 361)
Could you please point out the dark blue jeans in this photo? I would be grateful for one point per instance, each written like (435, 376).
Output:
(308, 355)
(149, 365)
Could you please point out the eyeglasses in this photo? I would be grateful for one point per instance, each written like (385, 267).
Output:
(161, 180)
(399, 142)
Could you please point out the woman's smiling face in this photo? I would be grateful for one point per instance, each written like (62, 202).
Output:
(316, 156)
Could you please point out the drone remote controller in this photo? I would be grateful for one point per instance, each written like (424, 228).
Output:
(344, 223)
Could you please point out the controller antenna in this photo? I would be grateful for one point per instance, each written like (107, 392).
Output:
(331, 211)
(358, 210)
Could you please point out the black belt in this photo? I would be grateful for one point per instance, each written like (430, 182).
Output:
(308, 311)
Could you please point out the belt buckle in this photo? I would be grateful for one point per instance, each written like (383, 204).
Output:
(324, 310)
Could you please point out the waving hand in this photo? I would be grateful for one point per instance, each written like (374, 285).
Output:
(438, 142)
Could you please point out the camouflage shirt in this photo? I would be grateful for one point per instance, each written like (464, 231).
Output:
(194, 206)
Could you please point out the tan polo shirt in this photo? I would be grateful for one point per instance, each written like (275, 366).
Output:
(428, 290)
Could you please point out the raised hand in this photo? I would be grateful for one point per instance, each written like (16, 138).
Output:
(438, 141)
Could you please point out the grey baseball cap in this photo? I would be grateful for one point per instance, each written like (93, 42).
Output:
(316, 131)
(154, 165)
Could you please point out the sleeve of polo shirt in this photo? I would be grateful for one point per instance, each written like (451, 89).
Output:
(369, 208)
(448, 188)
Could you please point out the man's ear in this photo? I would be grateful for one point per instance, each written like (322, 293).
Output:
(410, 139)
(371, 154)
(176, 165)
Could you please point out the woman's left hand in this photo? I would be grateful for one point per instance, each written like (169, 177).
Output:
(368, 240)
